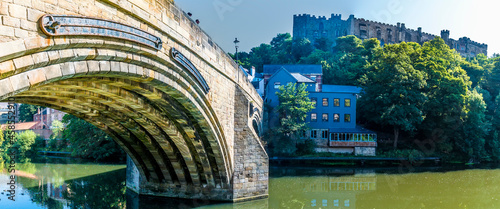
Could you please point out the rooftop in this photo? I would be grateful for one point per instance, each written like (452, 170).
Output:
(302, 79)
(302, 69)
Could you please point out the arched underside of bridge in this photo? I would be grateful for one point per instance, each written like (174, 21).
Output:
(152, 108)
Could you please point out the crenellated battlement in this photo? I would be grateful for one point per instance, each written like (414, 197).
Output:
(389, 32)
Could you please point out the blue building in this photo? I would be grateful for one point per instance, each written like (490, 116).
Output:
(332, 122)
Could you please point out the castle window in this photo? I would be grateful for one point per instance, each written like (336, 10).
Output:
(389, 35)
(379, 34)
(321, 26)
(314, 101)
(316, 35)
(408, 37)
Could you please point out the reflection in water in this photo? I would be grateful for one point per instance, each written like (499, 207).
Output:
(57, 184)
(82, 185)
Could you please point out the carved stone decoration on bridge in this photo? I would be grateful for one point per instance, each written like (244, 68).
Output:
(67, 25)
(182, 60)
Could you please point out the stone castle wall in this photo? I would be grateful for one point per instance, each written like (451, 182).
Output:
(312, 28)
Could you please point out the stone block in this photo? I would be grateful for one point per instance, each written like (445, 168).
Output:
(68, 69)
(36, 76)
(5, 87)
(4, 8)
(115, 67)
(11, 21)
(40, 59)
(81, 67)
(26, 3)
(27, 25)
(105, 66)
(10, 48)
(6, 31)
(20, 33)
(7, 66)
(17, 11)
(67, 55)
(38, 43)
(23, 62)
(53, 72)
(34, 15)
(93, 66)
(53, 56)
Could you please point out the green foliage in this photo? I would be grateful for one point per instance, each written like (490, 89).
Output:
(474, 129)
(307, 147)
(301, 48)
(88, 141)
(26, 112)
(57, 129)
(293, 108)
(24, 141)
(393, 90)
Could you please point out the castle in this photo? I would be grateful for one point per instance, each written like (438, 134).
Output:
(312, 28)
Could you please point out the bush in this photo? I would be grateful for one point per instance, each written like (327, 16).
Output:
(306, 148)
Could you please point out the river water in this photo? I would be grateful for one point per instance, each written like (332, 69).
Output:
(66, 183)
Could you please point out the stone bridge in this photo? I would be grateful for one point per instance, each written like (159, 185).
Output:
(146, 74)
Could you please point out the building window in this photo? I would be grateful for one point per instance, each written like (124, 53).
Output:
(336, 117)
(313, 117)
(347, 118)
(325, 102)
(325, 117)
(314, 134)
(347, 102)
(314, 101)
(336, 102)
(324, 134)
(277, 85)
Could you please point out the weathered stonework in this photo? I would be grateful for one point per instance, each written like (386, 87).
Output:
(182, 142)
(364, 151)
(312, 28)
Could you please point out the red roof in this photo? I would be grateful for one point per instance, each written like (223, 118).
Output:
(23, 126)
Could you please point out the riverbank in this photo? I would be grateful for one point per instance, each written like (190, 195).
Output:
(355, 160)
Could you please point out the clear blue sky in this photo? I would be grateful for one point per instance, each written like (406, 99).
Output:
(258, 21)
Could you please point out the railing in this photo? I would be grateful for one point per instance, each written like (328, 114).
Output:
(353, 143)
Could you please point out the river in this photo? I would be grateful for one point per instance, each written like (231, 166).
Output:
(68, 183)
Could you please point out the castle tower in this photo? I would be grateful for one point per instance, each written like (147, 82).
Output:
(445, 35)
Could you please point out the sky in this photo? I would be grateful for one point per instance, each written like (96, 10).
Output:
(257, 21)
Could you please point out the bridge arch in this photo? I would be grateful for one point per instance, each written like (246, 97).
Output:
(175, 106)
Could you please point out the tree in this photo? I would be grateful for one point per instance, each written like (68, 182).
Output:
(293, 108)
(446, 88)
(393, 90)
(23, 143)
(88, 141)
(26, 112)
(301, 48)
(57, 128)
(475, 128)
